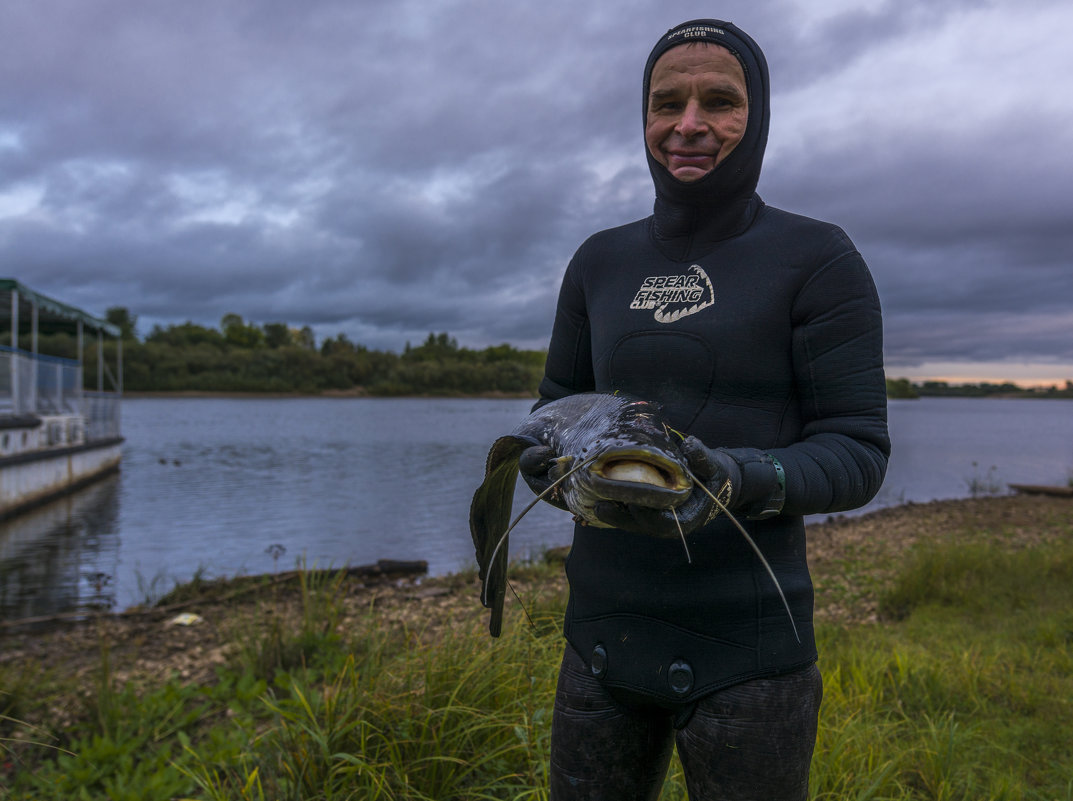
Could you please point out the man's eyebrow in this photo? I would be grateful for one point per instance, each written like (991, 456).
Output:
(726, 89)
(660, 94)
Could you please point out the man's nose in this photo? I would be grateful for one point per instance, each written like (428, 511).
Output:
(691, 122)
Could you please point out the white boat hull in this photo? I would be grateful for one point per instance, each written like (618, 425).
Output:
(34, 477)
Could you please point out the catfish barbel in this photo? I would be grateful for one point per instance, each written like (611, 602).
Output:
(608, 448)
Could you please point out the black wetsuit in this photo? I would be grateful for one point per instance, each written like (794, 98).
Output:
(754, 328)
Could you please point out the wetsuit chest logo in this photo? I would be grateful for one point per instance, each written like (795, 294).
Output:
(673, 297)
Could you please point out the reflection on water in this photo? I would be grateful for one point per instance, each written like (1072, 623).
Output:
(224, 487)
(61, 557)
(219, 486)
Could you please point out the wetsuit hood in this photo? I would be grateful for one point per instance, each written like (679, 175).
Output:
(725, 199)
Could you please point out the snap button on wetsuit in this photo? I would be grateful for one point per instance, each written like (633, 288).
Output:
(599, 661)
(680, 677)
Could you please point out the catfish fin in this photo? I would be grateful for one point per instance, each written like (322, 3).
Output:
(489, 517)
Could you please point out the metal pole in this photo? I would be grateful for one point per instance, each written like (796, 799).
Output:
(78, 388)
(100, 361)
(15, 407)
(35, 365)
(119, 389)
(80, 355)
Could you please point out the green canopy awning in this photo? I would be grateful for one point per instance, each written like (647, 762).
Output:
(47, 308)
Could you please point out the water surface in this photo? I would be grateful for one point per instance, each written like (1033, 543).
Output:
(211, 484)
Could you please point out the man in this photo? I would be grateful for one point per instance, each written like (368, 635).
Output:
(759, 332)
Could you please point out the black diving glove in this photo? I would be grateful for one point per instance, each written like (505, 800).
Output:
(747, 481)
(537, 465)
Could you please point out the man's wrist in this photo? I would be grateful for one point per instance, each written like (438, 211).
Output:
(772, 505)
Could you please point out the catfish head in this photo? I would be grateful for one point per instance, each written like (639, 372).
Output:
(607, 448)
(617, 449)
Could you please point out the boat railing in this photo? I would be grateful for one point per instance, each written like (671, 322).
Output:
(101, 413)
(18, 382)
(51, 385)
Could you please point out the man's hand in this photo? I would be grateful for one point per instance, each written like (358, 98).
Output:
(537, 466)
(745, 480)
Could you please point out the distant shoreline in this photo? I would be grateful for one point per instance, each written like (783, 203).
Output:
(356, 392)
(360, 392)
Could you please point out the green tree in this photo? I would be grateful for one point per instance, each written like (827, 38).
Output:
(304, 338)
(339, 344)
(239, 334)
(246, 357)
(901, 388)
(277, 335)
(121, 318)
(435, 348)
(187, 334)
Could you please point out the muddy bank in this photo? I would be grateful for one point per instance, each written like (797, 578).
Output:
(852, 560)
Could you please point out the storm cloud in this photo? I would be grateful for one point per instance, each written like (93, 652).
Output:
(387, 169)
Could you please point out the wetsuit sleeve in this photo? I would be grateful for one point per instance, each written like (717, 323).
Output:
(568, 369)
(841, 458)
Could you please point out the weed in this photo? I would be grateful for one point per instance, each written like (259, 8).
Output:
(980, 578)
(281, 646)
(276, 550)
(150, 590)
(985, 485)
(193, 589)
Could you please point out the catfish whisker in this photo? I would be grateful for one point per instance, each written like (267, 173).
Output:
(752, 544)
(521, 603)
(682, 534)
(537, 499)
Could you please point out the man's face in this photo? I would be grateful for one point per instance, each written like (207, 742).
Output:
(697, 109)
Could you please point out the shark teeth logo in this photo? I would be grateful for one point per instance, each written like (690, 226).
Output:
(675, 296)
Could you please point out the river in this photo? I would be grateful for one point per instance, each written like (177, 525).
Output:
(222, 487)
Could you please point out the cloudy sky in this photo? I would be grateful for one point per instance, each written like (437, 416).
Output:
(387, 168)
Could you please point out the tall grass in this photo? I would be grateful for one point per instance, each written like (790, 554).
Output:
(968, 696)
(410, 714)
(963, 692)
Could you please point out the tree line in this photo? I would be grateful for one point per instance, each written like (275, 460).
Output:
(905, 389)
(243, 356)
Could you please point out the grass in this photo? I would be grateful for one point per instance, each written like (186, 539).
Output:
(968, 693)
(410, 713)
(963, 691)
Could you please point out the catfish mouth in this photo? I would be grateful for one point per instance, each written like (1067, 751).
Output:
(641, 478)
